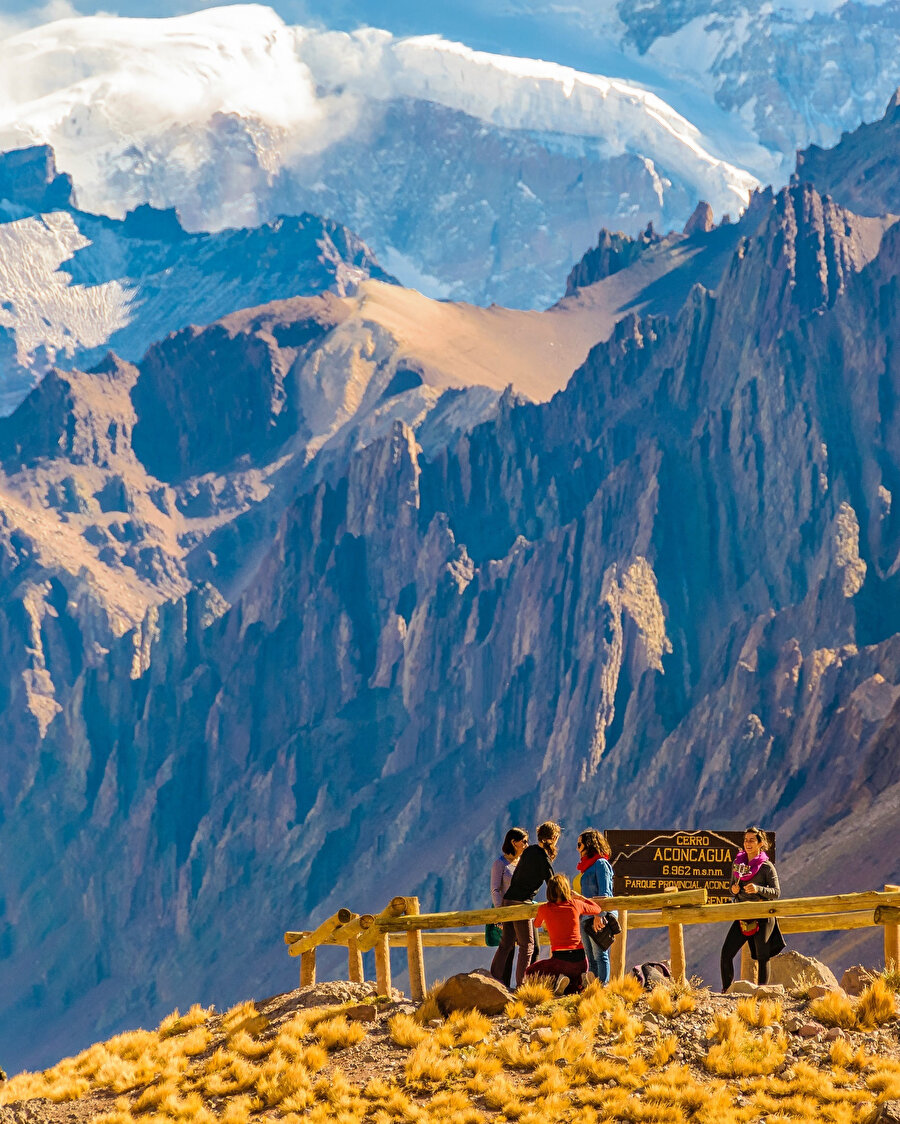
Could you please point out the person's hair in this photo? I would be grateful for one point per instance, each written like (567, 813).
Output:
(547, 835)
(558, 889)
(760, 835)
(514, 835)
(594, 842)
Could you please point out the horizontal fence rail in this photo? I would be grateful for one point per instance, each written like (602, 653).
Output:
(401, 924)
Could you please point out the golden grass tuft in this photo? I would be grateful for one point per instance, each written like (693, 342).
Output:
(339, 1033)
(885, 1079)
(247, 1047)
(627, 987)
(236, 1110)
(535, 990)
(876, 1005)
(834, 1009)
(515, 1009)
(405, 1031)
(471, 1027)
(664, 1049)
(238, 1014)
(176, 1023)
(755, 1012)
(429, 1008)
(890, 973)
(427, 1064)
(661, 1002)
(744, 1054)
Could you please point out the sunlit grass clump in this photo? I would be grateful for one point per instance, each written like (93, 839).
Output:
(875, 1006)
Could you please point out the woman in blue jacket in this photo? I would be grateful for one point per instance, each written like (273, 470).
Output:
(594, 880)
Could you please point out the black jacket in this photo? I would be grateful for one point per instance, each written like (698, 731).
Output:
(767, 941)
(532, 871)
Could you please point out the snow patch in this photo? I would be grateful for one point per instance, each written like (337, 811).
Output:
(106, 93)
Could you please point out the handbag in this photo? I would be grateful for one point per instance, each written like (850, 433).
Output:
(493, 934)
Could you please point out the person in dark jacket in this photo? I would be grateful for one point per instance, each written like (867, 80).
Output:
(501, 874)
(594, 880)
(754, 878)
(534, 868)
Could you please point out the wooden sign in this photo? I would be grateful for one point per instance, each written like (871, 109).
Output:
(646, 862)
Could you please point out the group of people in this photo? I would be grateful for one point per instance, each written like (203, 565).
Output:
(581, 931)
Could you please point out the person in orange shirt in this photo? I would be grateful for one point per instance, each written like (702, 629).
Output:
(560, 915)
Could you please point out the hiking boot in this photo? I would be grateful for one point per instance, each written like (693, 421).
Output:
(562, 982)
(587, 978)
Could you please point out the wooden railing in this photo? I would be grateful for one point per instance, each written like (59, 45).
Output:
(402, 924)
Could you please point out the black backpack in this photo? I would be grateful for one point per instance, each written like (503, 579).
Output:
(650, 974)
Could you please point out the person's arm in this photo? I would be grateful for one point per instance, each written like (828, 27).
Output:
(585, 905)
(540, 917)
(768, 888)
(497, 883)
(604, 879)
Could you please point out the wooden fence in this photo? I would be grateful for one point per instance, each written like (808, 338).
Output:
(402, 924)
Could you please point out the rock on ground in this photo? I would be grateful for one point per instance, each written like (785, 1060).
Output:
(473, 990)
(793, 969)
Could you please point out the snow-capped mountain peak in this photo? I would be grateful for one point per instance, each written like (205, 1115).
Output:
(233, 117)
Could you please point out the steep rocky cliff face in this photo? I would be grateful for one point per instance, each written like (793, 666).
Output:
(667, 593)
(860, 172)
(75, 284)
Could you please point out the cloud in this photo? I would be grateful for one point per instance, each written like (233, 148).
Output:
(33, 17)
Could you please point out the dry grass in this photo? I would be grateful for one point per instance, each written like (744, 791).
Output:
(339, 1033)
(834, 1009)
(584, 1059)
(175, 1023)
(755, 1012)
(628, 988)
(535, 991)
(661, 1001)
(876, 1005)
(430, 1010)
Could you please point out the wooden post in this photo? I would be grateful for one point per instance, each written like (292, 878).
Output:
(308, 968)
(415, 955)
(748, 964)
(892, 936)
(676, 953)
(619, 948)
(383, 965)
(355, 970)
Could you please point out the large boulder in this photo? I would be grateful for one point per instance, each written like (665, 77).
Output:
(476, 990)
(794, 970)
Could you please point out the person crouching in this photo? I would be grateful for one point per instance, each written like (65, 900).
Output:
(560, 915)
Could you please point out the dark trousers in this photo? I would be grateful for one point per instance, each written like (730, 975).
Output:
(519, 933)
(734, 942)
(566, 962)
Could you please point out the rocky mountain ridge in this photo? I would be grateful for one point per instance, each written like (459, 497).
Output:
(76, 284)
(668, 588)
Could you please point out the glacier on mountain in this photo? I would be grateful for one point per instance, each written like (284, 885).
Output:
(233, 117)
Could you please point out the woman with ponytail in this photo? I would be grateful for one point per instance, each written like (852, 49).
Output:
(753, 878)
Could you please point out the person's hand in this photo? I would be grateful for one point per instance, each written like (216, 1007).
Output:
(599, 923)
(735, 889)
(750, 888)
